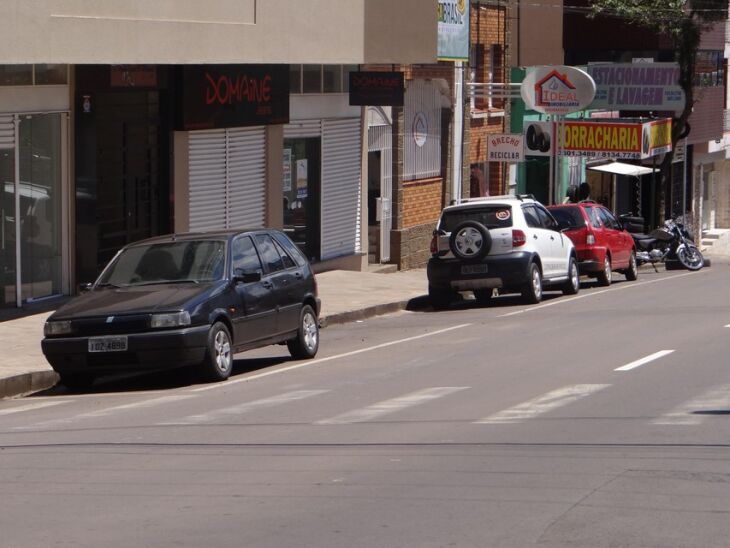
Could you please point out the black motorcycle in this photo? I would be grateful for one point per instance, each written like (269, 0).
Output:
(667, 244)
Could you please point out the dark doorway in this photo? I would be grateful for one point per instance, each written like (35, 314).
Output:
(122, 173)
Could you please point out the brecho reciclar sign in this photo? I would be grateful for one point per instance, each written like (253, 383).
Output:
(221, 96)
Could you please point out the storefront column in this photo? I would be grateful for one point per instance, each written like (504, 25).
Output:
(274, 176)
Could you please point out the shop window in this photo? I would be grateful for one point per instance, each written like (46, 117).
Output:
(301, 194)
(346, 70)
(47, 75)
(332, 78)
(709, 70)
(295, 78)
(16, 75)
(312, 79)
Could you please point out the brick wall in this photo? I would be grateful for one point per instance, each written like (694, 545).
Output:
(410, 248)
(422, 201)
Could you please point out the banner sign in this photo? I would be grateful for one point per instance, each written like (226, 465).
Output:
(557, 89)
(637, 86)
(617, 139)
(453, 30)
(379, 89)
(221, 96)
(505, 147)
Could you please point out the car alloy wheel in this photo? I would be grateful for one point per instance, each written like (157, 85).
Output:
(306, 343)
(633, 271)
(218, 362)
(532, 292)
(572, 285)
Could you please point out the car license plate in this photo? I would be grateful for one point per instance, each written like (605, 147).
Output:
(108, 344)
(474, 269)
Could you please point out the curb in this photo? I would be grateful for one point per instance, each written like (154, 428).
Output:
(372, 311)
(27, 383)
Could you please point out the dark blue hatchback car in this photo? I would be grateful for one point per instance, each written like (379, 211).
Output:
(187, 300)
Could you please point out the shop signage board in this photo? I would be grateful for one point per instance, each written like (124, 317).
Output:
(617, 139)
(506, 147)
(637, 86)
(557, 90)
(222, 96)
(453, 30)
(379, 89)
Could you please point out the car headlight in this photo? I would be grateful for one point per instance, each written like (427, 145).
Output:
(175, 319)
(52, 328)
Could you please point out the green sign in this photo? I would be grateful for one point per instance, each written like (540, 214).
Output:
(453, 30)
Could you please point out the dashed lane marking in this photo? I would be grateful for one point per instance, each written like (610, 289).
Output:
(644, 360)
(696, 410)
(31, 406)
(240, 409)
(393, 405)
(543, 404)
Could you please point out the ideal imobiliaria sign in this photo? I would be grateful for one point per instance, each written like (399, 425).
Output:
(618, 139)
(221, 96)
(637, 86)
(557, 89)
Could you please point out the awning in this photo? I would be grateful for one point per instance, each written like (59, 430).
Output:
(619, 168)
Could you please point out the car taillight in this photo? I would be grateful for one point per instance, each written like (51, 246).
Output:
(590, 239)
(434, 244)
(518, 238)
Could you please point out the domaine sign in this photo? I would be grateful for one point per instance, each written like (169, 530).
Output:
(376, 89)
(220, 96)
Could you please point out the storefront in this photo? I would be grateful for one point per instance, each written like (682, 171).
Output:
(322, 183)
(34, 199)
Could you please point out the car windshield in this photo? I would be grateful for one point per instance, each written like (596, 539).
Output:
(190, 261)
(568, 217)
(492, 216)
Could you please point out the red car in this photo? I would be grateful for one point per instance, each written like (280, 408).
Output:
(602, 243)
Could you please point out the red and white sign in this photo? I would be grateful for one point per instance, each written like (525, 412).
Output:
(557, 89)
(506, 147)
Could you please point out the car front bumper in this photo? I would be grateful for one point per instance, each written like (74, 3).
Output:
(503, 271)
(145, 352)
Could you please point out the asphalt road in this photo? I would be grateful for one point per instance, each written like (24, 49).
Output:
(601, 420)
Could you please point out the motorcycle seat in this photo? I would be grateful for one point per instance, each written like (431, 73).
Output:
(639, 236)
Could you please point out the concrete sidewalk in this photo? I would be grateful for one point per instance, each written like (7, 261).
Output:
(346, 296)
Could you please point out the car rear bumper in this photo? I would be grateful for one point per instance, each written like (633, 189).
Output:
(145, 352)
(503, 271)
(589, 266)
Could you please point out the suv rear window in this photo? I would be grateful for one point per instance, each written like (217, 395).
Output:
(493, 216)
(568, 217)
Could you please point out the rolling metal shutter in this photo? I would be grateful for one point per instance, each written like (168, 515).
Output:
(246, 178)
(227, 178)
(341, 191)
(303, 128)
(7, 132)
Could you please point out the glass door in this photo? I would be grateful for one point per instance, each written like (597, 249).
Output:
(7, 227)
(40, 205)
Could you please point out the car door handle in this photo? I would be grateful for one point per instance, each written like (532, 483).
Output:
(298, 275)
(534, 236)
(552, 237)
(267, 285)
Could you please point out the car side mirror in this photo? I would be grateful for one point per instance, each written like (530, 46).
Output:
(85, 287)
(246, 276)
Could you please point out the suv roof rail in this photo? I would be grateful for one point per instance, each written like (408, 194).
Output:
(587, 202)
(523, 196)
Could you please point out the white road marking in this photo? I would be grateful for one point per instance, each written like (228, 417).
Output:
(593, 293)
(642, 361)
(728, 325)
(717, 399)
(543, 404)
(328, 358)
(242, 408)
(32, 406)
(391, 406)
(143, 404)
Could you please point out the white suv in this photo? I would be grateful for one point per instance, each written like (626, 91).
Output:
(511, 243)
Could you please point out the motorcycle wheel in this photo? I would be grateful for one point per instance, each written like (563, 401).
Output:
(690, 257)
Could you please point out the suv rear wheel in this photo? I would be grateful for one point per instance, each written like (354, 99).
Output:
(532, 290)
(440, 298)
(572, 284)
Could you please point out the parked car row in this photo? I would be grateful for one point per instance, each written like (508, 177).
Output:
(514, 244)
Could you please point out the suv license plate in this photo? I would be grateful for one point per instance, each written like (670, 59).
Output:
(108, 344)
(474, 269)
